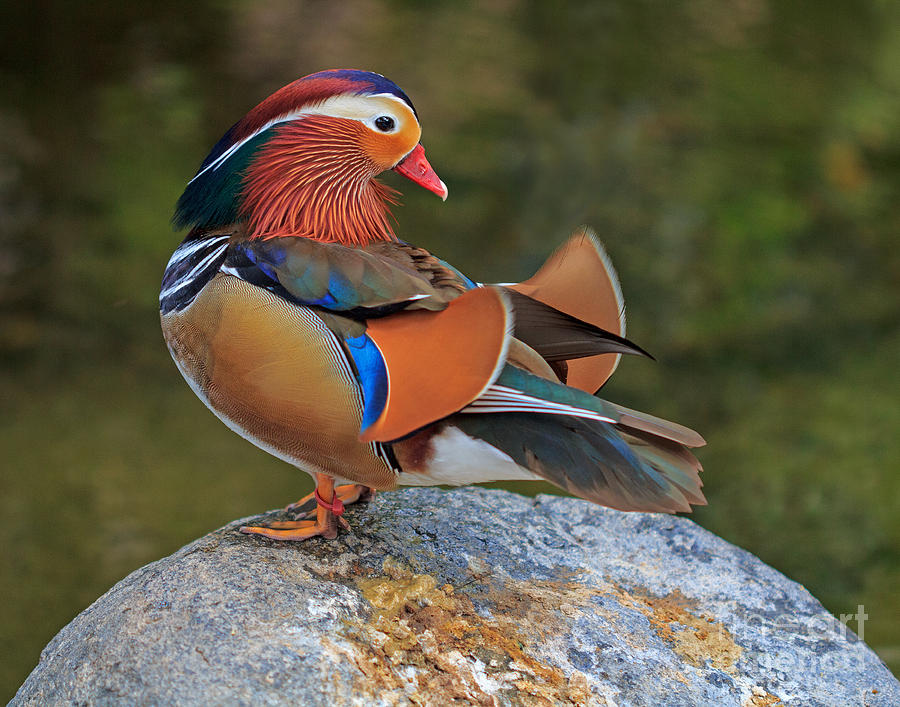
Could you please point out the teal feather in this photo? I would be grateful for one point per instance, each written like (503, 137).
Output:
(535, 386)
(212, 198)
(339, 278)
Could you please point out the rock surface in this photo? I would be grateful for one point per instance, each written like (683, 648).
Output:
(467, 597)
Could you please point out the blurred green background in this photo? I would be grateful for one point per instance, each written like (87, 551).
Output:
(740, 159)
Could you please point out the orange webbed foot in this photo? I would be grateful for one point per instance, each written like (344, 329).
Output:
(297, 530)
(327, 510)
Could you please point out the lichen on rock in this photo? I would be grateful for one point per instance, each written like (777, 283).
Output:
(456, 651)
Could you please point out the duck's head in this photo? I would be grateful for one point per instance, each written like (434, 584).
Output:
(303, 162)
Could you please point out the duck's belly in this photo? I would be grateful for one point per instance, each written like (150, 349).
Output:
(275, 374)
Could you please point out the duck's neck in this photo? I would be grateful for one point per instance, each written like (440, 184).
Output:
(312, 179)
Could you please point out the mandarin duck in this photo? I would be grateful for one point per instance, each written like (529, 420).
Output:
(300, 319)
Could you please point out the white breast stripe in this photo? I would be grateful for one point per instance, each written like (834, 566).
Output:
(188, 249)
(186, 280)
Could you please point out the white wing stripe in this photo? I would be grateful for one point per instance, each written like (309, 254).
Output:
(473, 408)
(499, 398)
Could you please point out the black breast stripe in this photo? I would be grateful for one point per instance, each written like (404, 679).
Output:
(191, 266)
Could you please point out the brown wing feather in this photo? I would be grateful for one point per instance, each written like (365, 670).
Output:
(579, 279)
(658, 427)
(444, 279)
(438, 362)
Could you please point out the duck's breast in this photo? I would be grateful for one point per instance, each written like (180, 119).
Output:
(276, 375)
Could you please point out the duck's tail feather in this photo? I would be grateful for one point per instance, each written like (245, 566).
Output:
(656, 426)
(595, 449)
(669, 458)
(633, 471)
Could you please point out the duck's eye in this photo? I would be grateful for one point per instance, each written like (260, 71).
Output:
(384, 123)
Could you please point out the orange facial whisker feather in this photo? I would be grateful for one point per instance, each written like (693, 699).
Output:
(313, 179)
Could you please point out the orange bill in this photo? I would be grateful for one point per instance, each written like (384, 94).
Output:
(416, 168)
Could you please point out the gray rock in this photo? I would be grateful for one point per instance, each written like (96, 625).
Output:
(472, 596)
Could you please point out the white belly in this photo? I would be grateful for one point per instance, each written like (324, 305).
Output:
(458, 459)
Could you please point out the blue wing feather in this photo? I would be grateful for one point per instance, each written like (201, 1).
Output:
(371, 374)
(333, 277)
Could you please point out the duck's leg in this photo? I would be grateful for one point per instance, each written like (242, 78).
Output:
(347, 493)
(328, 517)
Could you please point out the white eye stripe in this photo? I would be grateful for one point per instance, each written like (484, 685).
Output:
(361, 108)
